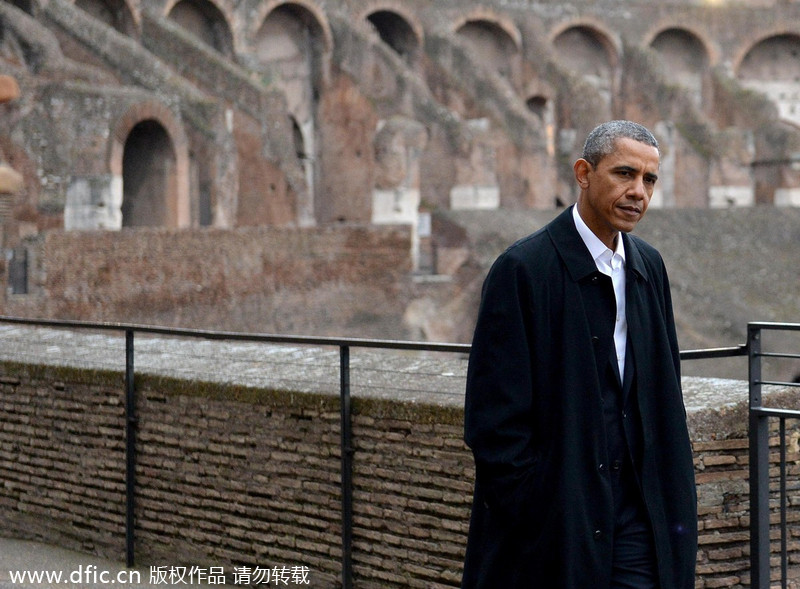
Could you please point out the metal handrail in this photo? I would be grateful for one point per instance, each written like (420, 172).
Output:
(351, 342)
(706, 354)
(759, 468)
(700, 354)
(342, 343)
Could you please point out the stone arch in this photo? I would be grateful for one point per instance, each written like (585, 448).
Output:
(771, 57)
(291, 48)
(309, 13)
(590, 52)
(153, 128)
(537, 104)
(291, 45)
(496, 20)
(206, 21)
(398, 31)
(539, 97)
(747, 42)
(148, 164)
(772, 66)
(117, 14)
(606, 38)
(539, 100)
(699, 38)
(685, 56)
(496, 42)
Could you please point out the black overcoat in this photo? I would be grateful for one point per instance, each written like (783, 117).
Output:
(542, 515)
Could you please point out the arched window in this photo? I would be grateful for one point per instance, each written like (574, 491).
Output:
(206, 22)
(493, 45)
(586, 53)
(537, 105)
(148, 177)
(290, 49)
(772, 67)
(685, 59)
(396, 33)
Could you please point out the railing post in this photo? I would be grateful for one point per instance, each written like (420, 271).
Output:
(347, 468)
(759, 469)
(783, 501)
(130, 449)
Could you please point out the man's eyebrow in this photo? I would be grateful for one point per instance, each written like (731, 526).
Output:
(626, 168)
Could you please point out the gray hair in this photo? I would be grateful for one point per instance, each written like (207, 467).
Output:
(600, 142)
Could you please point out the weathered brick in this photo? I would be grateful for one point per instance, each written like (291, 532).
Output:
(259, 481)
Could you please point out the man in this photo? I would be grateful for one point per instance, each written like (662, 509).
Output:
(574, 411)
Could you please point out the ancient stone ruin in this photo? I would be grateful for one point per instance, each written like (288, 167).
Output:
(164, 117)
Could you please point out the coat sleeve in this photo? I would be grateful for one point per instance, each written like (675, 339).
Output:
(670, 323)
(499, 397)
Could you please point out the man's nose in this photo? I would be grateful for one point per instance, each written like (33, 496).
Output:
(639, 189)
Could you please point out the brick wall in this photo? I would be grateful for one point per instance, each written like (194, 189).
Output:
(61, 457)
(413, 491)
(239, 484)
(340, 279)
(235, 476)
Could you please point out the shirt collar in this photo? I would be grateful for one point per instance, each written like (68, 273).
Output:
(596, 247)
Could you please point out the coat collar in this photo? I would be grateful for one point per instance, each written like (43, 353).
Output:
(576, 256)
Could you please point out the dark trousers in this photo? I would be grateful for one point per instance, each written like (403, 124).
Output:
(634, 562)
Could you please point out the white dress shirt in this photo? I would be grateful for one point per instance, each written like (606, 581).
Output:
(611, 264)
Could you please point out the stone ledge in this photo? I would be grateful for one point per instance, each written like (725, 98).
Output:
(383, 383)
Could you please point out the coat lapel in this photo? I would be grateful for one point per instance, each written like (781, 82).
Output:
(579, 264)
(570, 246)
(636, 279)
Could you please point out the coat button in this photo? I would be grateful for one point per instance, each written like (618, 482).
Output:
(616, 465)
(595, 340)
(598, 534)
(601, 467)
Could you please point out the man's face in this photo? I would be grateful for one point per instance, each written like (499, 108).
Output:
(614, 195)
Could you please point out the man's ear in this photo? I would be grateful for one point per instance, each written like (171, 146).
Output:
(582, 169)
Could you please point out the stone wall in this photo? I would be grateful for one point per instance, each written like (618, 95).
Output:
(277, 123)
(284, 280)
(232, 475)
